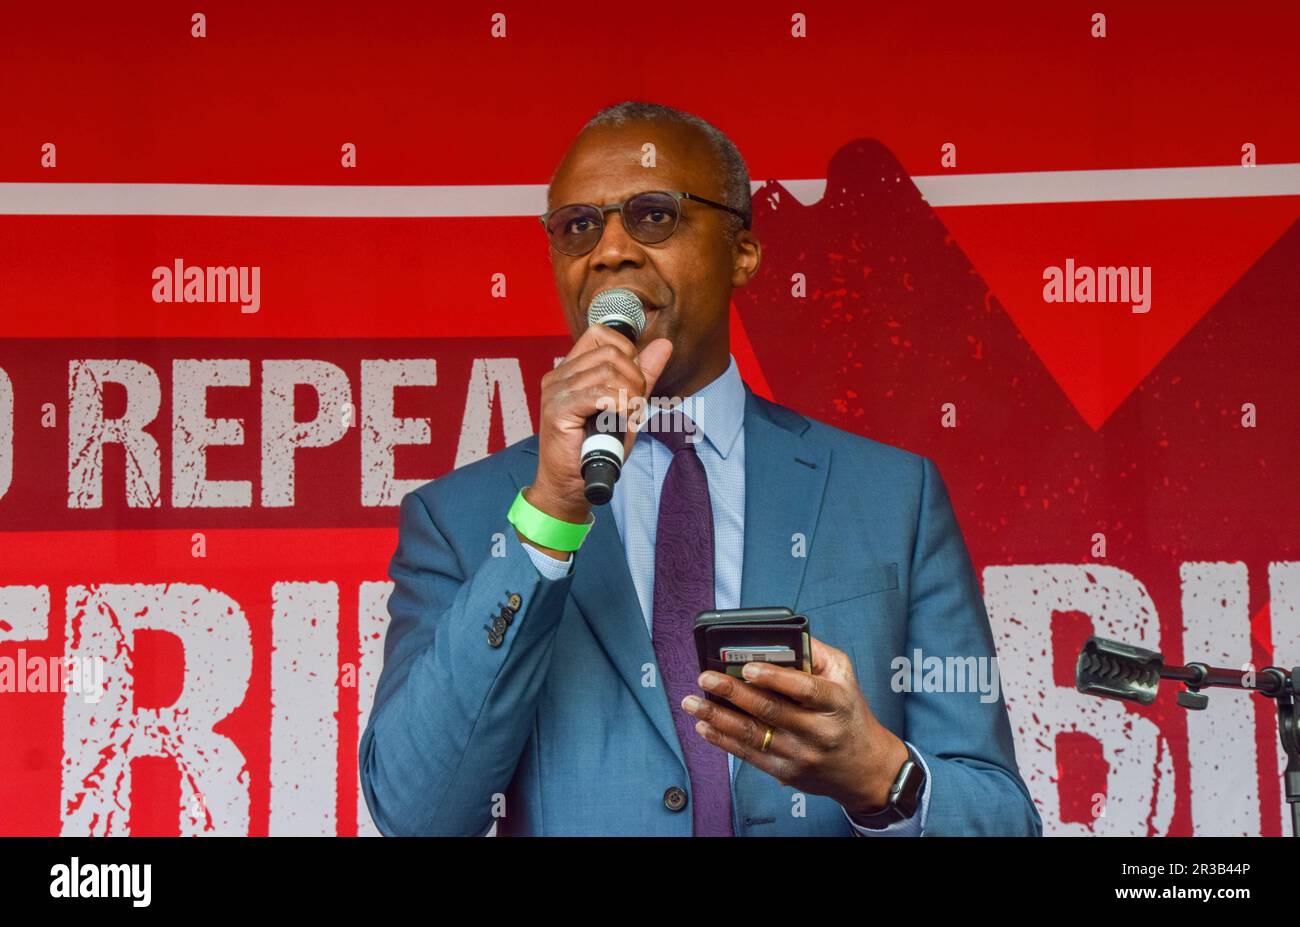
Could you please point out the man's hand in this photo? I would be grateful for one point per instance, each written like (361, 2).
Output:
(826, 742)
(602, 372)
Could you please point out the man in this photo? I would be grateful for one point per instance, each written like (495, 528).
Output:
(551, 688)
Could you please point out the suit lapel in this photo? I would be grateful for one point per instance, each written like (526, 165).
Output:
(606, 596)
(785, 479)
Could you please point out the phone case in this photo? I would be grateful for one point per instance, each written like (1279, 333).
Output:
(749, 627)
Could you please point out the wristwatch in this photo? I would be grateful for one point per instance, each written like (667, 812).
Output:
(904, 796)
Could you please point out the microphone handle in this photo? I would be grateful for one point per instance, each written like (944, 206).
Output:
(601, 458)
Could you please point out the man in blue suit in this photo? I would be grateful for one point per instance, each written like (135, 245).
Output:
(539, 670)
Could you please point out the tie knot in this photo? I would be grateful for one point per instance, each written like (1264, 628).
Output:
(675, 429)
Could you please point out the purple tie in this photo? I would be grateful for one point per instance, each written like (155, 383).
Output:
(683, 589)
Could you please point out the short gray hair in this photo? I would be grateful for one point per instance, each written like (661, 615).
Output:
(733, 175)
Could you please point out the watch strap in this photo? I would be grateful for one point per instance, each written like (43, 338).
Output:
(904, 795)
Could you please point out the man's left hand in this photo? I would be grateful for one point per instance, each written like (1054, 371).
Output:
(826, 742)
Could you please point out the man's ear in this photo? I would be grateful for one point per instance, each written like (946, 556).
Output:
(747, 254)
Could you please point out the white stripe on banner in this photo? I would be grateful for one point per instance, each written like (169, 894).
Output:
(199, 199)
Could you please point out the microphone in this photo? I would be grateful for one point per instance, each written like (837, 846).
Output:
(602, 451)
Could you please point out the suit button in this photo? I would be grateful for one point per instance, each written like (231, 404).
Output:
(506, 615)
(675, 799)
(514, 602)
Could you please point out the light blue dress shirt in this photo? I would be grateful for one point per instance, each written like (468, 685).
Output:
(718, 410)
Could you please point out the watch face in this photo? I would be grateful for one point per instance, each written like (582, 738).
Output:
(909, 791)
(904, 795)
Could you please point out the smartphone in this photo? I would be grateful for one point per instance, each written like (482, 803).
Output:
(727, 639)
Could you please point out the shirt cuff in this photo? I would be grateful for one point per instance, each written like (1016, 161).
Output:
(908, 827)
(548, 566)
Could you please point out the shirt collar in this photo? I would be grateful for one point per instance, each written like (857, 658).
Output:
(718, 409)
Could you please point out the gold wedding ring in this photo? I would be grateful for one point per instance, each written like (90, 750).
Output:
(767, 741)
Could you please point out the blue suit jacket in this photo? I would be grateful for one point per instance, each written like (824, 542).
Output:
(553, 731)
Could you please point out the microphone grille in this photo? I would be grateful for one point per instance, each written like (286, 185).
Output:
(617, 304)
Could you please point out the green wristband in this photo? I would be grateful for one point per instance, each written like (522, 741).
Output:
(545, 530)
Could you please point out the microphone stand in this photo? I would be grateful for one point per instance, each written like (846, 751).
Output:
(1111, 669)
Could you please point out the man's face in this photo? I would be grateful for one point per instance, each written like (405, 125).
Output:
(684, 282)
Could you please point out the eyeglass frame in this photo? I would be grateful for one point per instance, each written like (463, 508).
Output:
(677, 195)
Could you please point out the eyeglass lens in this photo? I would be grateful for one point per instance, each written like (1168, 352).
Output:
(648, 217)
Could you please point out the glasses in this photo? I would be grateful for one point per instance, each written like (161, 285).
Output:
(648, 217)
